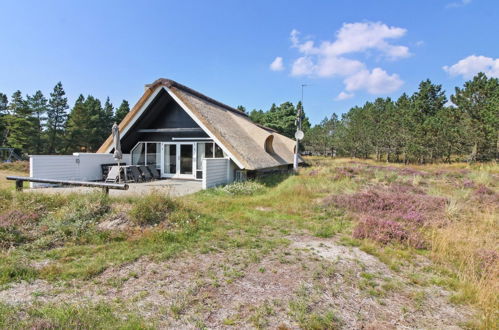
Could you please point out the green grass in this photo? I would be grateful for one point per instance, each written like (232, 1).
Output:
(253, 218)
(66, 316)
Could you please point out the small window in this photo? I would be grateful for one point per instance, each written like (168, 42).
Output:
(268, 144)
(219, 153)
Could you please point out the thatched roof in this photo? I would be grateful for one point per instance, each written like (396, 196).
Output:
(240, 137)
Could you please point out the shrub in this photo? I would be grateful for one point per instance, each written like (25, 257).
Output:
(152, 209)
(242, 188)
(75, 220)
(387, 231)
(391, 214)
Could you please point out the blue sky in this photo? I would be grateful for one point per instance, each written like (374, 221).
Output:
(349, 52)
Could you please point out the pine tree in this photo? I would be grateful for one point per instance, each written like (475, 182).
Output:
(56, 118)
(3, 114)
(38, 107)
(122, 111)
(20, 124)
(479, 99)
(427, 102)
(77, 131)
(94, 112)
(107, 120)
(241, 108)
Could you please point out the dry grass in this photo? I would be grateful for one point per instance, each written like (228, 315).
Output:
(247, 238)
(465, 240)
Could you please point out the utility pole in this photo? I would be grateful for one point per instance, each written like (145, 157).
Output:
(299, 132)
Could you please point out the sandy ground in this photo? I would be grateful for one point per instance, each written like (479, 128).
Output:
(172, 187)
(237, 289)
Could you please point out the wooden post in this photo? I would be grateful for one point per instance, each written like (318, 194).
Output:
(19, 185)
(105, 190)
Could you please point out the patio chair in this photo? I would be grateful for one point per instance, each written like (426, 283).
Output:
(113, 176)
(154, 171)
(135, 174)
(146, 175)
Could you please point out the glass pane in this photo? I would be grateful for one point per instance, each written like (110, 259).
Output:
(186, 159)
(170, 161)
(218, 152)
(138, 154)
(208, 151)
(151, 154)
(200, 156)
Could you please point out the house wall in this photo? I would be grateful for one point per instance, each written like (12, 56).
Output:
(78, 166)
(216, 172)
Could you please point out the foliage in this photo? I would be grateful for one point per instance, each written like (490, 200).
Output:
(420, 128)
(122, 111)
(453, 207)
(152, 209)
(242, 188)
(35, 125)
(56, 117)
(281, 118)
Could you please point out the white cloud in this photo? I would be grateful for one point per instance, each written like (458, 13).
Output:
(377, 81)
(331, 58)
(471, 65)
(359, 37)
(344, 96)
(456, 4)
(277, 64)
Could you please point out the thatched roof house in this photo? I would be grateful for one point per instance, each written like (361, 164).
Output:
(176, 128)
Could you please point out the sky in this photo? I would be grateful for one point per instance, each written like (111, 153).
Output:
(250, 53)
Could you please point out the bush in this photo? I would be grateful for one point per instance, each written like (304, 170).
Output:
(152, 209)
(74, 221)
(242, 188)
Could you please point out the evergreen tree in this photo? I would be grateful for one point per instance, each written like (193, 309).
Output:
(241, 108)
(56, 118)
(77, 128)
(122, 111)
(3, 114)
(106, 120)
(38, 108)
(281, 118)
(20, 124)
(479, 99)
(427, 102)
(94, 111)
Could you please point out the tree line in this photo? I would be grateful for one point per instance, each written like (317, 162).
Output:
(418, 128)
(36, 125)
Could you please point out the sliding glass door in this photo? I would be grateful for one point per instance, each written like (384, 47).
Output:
(178, 160)
(186, 158)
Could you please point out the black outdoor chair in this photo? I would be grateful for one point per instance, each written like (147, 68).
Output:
(146, 175)
(134, 174)
(154, 171)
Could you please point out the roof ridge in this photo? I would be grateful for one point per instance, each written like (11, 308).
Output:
(173, 83)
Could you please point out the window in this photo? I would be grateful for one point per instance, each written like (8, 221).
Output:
(146, 153)
(218, 151)
(268, 144)
(153, 152)
(208, 150)
(138, 154)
